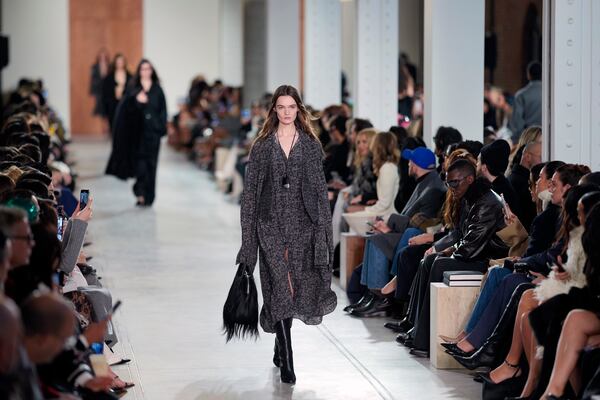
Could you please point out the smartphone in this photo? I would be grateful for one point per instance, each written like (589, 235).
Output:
(507, 211)
(372, 225)
(59, 227)
(84, 195)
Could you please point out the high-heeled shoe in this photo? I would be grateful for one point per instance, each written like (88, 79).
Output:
(364, 301)
(508, 387)
(276, 358)
(284, 339)
(485, 356)
(453, 349)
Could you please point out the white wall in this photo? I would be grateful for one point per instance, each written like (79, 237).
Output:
(283, 43)
(453, 67)
(38, 32)
(231, 42)
(181, 40)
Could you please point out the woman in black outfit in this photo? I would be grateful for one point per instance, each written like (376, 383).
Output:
(140, 122)
(114, 86)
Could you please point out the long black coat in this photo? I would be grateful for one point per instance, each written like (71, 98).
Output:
(137, 129)
(311, 248)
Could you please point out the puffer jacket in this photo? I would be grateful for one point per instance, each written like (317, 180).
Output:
(481, 217)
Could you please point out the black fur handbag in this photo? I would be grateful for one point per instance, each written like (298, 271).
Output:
(240, 312)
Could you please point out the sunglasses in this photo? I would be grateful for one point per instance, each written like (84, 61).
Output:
(454, 183)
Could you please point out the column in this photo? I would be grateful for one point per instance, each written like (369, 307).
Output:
(231, 42)
(376, 87)
(255, 50)
(322, 53)
(572, 65)
(453, 67)
(283, 43)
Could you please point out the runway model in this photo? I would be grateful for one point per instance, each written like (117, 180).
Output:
(285, 217)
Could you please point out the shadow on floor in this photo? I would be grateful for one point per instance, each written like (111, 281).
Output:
(236, 390)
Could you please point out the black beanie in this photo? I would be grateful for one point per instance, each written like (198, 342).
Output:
(495, 156)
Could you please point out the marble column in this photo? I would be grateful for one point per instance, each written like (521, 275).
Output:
(453, 67)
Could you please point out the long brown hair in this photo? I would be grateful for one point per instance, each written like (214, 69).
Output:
(303, 118)
(384, 148)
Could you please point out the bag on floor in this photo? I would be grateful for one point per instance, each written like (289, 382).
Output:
(240, 312)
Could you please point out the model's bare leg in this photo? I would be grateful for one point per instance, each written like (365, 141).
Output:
(530, 347)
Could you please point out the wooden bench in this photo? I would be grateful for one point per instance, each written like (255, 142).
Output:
(352, 248)
(450, 309)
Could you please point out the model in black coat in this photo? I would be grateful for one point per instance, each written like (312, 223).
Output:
(140, 122)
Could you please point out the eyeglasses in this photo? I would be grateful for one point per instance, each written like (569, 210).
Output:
(28, 238)
(454, 183)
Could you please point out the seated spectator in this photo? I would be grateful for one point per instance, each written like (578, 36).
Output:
(337, 151)
(426, 201)
(443, 138)
(385, 166)
(481, 217)
(493, 161)
(519, 180)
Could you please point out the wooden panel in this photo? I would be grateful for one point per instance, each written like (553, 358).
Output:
(112, 24)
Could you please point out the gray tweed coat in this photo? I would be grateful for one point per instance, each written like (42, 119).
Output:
(298, 219)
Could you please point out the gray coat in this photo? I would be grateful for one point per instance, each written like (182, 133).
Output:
(298, 219)
(427, 198)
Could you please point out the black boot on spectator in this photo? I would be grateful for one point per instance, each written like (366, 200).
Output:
(276, 358)
(454, 350)
(284, 339)
(399, 327)
(363, 303)
(380, 307)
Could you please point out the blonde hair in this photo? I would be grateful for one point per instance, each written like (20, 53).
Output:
(529, 135)
(370, 134)
(384, 148)
(303, 120)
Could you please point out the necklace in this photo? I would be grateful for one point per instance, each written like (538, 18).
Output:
(285, 182)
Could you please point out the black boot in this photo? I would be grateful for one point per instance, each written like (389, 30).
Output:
(380, 307)
(276, 358)
(284, 339)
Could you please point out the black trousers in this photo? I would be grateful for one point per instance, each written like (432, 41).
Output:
(409, 259)
(145, 173)
(432, 270)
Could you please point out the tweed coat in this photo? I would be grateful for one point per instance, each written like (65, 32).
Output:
(298, 221)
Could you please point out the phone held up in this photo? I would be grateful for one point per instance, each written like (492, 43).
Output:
(84, 196)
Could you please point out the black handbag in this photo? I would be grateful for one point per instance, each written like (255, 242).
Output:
(240, 312)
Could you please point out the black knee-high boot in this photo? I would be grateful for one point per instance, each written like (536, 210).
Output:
(276, 358)
(284, 341)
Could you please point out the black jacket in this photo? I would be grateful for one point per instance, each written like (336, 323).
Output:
(336, 161)
(481, 216)
(543, 230)
(519, 179)
(502, 186)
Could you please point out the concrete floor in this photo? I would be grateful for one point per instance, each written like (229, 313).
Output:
(172, 265)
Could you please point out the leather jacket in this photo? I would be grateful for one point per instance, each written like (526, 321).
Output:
(481, 217)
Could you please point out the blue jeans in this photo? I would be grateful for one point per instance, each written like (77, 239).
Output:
(495, 276)
(375, 270)
(408, 233)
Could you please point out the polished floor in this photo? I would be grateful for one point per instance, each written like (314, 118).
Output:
(172, 265)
